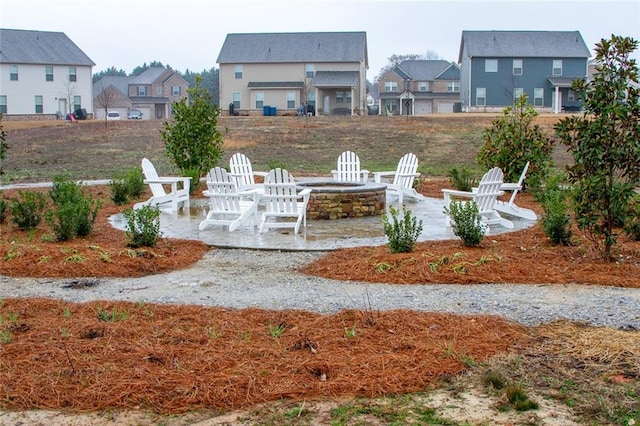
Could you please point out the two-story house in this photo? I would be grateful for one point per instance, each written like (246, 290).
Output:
(152, 93)
(43, 75)
(496, 67)
(419, 87)
(324, 71)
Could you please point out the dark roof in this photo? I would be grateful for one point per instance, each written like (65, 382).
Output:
(294, 47)
(120, 82)
(421, 70)
(148, 76)
(562, 81)
(335, 79)
(40, 47)
(275, 84)
(523, 44)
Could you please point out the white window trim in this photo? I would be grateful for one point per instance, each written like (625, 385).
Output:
(517, 67)
(489, 65)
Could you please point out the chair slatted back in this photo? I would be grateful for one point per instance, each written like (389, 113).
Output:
(222, 191)
(240, 166)
(407, 166)
(348, 167)
(151, 174)
(280, 192)
(489, 190)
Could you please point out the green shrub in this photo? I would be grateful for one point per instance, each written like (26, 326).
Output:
(143, 226)
(276, 164)
(126, 186)
(74, 213)
(632, 219)
(465, 222)
(555, 220)
(462, 179)
(402, 233)
(512, 140)
(3, 210)
(27, 211)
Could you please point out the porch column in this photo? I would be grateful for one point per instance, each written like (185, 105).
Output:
(353, 93)
(556, 107)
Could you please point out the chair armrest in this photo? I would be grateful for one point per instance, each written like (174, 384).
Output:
(167, 179)
(456, 193)
(304, 192)
(378, 175)
(510, 187)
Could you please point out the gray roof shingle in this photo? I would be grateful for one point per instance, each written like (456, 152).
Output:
(523, 44)
(423, 70)
(40, 47)
(335, 79)
(294, 47)
(120, 82)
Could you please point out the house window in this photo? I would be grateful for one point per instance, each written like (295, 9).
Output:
(3, 104)
(176, 90)
(259, 99)
(538, 97)
(235, 98)
(310, 70)
(291, 100)
(391, 105)
(13, 73)
(142, 90)
(238, 72)
(453, 86)
(339, 97)
(311, 98)
(423, 86)
(72, 74)
(481, 96)
(390, 86)
(159, 91)
(348, 97)
(571, 96)
(517, 92)
(39, 108)
(77, 102)
(48, 73)
(557, 67)
(490, 65)
(517, 67)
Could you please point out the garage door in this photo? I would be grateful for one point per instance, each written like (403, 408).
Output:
(445, 107)
(423, 107)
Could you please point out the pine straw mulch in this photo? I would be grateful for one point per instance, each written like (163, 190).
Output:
(171, 359)
(92, 356)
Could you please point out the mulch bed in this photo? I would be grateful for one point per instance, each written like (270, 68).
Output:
(171, 359)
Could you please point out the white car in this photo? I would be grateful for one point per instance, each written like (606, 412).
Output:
(113, 115)
(134, 114)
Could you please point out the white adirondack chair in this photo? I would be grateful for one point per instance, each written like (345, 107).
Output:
(227, 206)
(485, 197)
(242, 171)
(403, 178)
(175, 195)
(348, 169)
(283, 201)
(510, 207)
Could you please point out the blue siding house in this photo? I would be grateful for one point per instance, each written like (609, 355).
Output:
(496, 67)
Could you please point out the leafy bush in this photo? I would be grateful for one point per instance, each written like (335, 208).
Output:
(3, 210)
(127, 186)
(512, 140)
(402, 233)
(75, 212)
(193, 141)
(143, 226)
(555, 220)
(27, 211)
(276, 164)
(632, 219)
(3, 144)
(605, 143)
(462, 179)
(465, 222)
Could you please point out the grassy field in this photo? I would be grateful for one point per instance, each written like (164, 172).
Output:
(38, 151)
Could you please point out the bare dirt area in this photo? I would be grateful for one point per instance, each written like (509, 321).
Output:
(127, 363)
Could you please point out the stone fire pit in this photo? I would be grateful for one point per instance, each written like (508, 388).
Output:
(340, 200)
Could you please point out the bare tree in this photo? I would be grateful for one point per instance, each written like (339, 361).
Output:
(432, 55)
(69, 91)
(397, 59)
(106, 99)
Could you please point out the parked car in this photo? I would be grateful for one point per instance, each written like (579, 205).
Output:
(80, 114)
(134, 114)
(113, 115)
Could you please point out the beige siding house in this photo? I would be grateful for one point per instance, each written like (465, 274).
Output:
(43, 75)
(152, 92)
(286, 73)
(420, 87)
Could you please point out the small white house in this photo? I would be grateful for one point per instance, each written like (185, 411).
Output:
(43, 75)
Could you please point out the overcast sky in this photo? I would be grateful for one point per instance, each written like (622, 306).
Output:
(188, 34)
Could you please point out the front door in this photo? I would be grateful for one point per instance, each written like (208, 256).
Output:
(325, 105)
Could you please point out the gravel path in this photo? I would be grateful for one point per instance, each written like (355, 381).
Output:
(239, 278)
